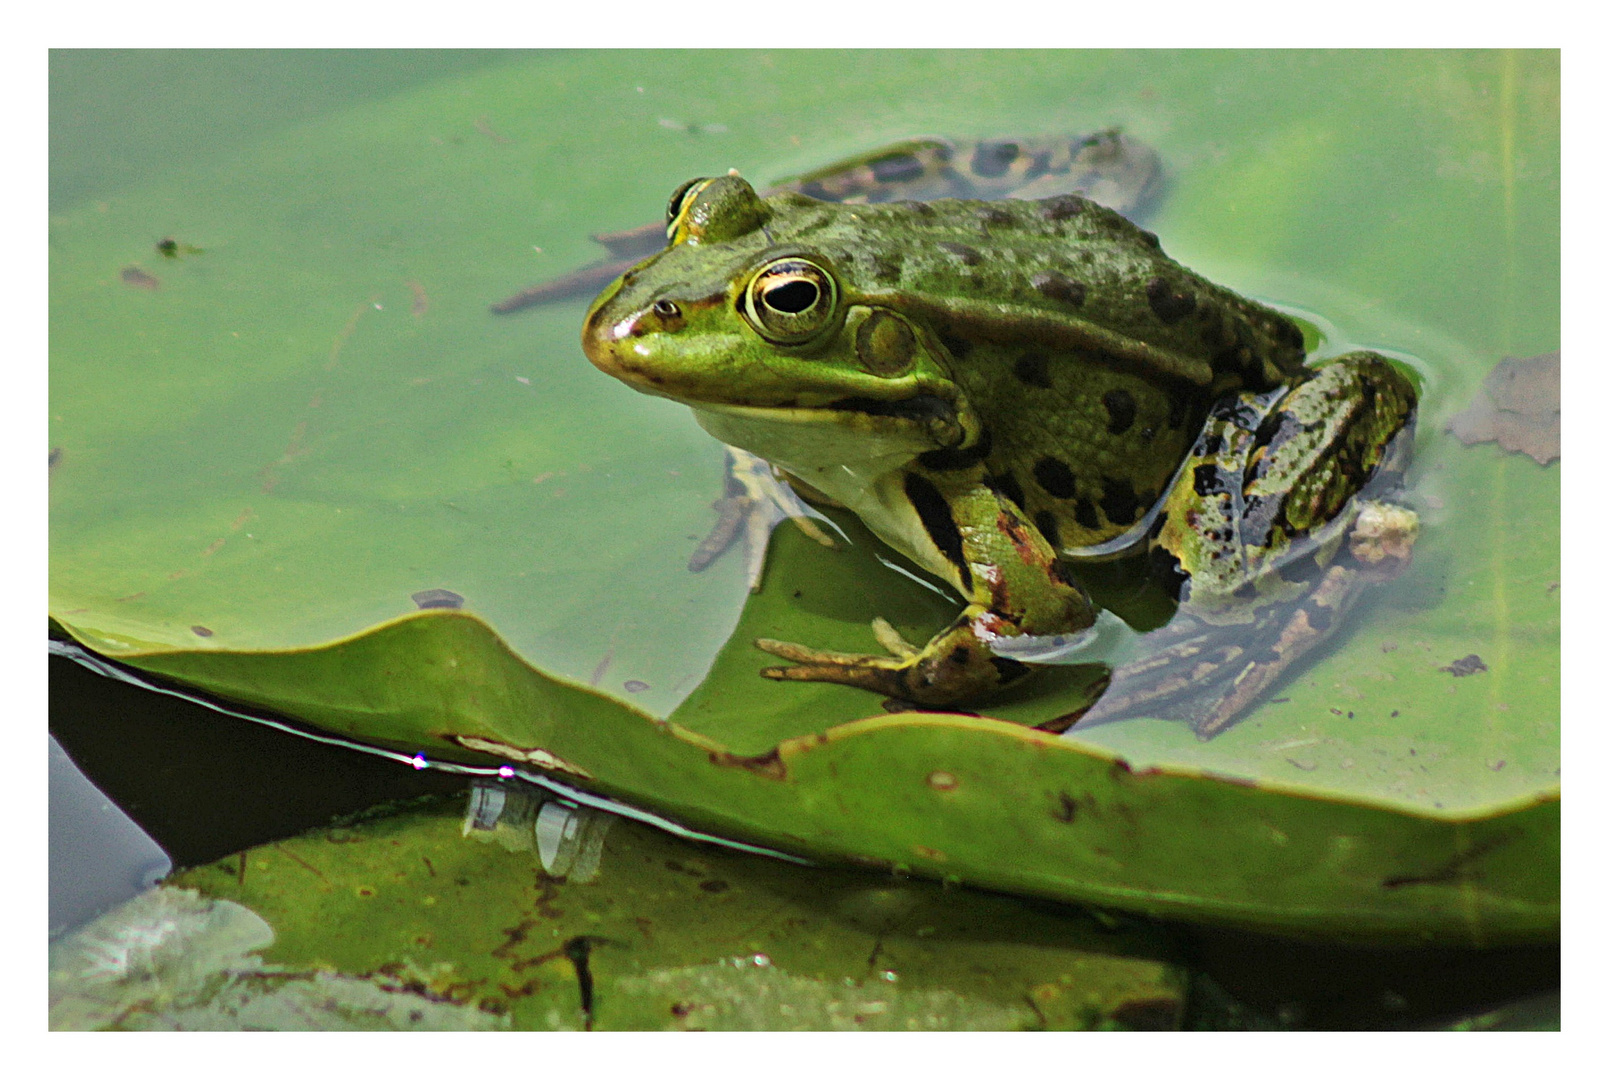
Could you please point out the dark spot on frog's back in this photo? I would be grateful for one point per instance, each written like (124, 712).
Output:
(1055, 477)
(950, 459)
(1084, 514)
(1169, 304)
(968, 256)
(1007, 486)
(1119, 502)
(1033, 369)
(895, 168)
(958, 346)
(936, 518)
(994, 158)
(1061, 207)
(1119, 411)
(885, 268)
(1058, 287)
(1045, 521)
(991, 216)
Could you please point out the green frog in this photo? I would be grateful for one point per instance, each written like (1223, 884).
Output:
(1004, 391)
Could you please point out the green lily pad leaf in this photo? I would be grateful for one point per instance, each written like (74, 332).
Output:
(300, 466)
(449, 933)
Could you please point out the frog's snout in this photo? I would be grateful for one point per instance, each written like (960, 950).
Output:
(610, 334)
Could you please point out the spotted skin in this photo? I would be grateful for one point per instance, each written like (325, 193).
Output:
(1002, 391)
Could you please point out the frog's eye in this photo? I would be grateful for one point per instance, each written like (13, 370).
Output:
(679, 199)
(791, 301)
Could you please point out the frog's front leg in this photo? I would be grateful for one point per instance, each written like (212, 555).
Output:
(1270, 538)
(1015, 586)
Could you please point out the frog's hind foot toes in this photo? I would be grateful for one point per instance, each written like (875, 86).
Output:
(1382, 538)
(892, 640)
(879, 674)
(1211, 679)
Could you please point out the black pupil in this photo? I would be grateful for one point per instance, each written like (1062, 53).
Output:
(792, 297)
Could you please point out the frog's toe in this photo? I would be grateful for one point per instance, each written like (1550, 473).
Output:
(1382, 538)
(879, 674)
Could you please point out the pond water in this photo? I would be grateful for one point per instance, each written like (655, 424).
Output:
(281, 413)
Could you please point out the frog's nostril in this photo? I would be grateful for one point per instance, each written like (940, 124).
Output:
(666, 309)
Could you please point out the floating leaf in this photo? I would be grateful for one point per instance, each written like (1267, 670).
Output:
(315, 423)
(1518, 408)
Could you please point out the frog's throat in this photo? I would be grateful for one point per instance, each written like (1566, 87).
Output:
(804, 440)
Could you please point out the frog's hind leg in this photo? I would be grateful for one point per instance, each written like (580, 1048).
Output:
(1283, 535)
(1210, 675)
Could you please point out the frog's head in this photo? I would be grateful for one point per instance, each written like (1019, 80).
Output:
(749, 310)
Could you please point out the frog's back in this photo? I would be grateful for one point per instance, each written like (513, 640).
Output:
(1014, 269)
(1090, 356)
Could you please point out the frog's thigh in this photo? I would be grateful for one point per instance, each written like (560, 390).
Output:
(1278, 499)
(1322, 444)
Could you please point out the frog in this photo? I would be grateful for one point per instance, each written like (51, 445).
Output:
(1005, 391)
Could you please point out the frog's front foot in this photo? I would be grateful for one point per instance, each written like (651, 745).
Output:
(754, 503)
(953, 667)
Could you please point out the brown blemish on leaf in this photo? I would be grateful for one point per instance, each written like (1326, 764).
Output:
(136, 278)
(1464, 665)
(939, 780)
(512, 936)
(923, 852)
(200, 631)
(769, 764)
(346, 332)
(1517, 407)
(295, 858)
(1454, 868)
(485, 128)
(169, 248)
(1066, 808)
(421, 302)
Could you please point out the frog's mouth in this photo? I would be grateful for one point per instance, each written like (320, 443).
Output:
(639, 343)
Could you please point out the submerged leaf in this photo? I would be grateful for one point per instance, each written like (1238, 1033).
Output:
(1518, 408)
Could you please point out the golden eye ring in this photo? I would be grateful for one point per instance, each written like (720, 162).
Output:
(791, 300)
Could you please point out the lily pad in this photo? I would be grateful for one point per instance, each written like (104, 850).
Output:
(333, 930)
(260, 464)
